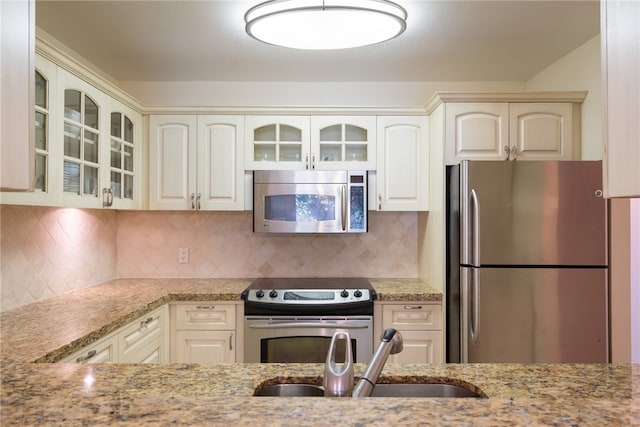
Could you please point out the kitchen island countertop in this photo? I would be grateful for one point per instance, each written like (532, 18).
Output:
(217, 394)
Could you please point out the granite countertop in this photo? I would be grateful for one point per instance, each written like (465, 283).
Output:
(218, 394)
(94, 312)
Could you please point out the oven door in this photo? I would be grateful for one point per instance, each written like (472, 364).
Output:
(299, 208)
(304, 339)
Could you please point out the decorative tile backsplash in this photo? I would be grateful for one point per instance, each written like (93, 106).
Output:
(51, 251)
(48, 251)
(222, 244)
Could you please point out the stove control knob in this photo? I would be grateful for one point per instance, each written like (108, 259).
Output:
(273, 293)
(357, 294)
(344, 294)
(259, 293)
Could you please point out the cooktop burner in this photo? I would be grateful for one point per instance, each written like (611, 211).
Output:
(267, 296)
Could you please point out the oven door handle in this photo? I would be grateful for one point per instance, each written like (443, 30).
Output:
(305, 325)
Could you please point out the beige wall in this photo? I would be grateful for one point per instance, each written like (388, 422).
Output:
(579, 70)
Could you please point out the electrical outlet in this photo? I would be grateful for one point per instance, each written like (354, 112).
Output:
(183, 255)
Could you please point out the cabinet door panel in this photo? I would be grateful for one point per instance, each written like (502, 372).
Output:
(172, 166)
(419, 347)
(541, 131)
(220, 162)
(478, 131)
(204, 347)
(402, 176)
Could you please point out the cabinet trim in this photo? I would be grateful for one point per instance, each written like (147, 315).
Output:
(442, 97)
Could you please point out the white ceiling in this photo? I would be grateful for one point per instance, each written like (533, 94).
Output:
(205, 40)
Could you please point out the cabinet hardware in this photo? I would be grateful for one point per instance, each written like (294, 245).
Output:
(514, 152)
(146, 321)
(306, 161)
(413, 307)
(506, 152)
(230, 340)
(379, 202)
(193, 201)
(198, 207)
(107, 197)
(205, 307)
(313, 161)
(89, 355)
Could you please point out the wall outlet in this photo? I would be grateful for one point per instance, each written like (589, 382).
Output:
(183, 255)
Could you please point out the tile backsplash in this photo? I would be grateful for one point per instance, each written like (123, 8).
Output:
(222, 244)
(48, 251)
(51, 251)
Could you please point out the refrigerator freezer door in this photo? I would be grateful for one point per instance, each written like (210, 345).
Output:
(532, 213)
(529, 315)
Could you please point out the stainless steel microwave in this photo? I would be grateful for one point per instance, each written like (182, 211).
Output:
(310, 201)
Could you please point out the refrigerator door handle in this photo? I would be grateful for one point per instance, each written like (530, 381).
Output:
(464, 314)
(475, 229)
(474, 306)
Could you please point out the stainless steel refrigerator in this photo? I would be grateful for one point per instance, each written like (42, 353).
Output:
(527, 262)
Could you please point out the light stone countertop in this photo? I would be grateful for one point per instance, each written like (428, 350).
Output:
(216, 394)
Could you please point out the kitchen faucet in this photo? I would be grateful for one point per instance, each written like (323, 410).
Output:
(338, 380)
(391, 343)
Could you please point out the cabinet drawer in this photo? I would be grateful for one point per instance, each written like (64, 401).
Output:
(410, 316)
(102, 351)
(140, 333)
(153, 352)
(205, 316)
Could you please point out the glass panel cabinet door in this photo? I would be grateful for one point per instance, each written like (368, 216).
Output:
(81, 143)
(121, 159)
(277, 142)
(343, 142)
(41, 132)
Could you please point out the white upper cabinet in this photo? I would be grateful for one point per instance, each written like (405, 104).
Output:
(518, 126)
(343, 142)
(402, 175)
(196, 162)
(17, 27)
(477, 131)
(621, 82)
(220, 178)
(277, 142)
(125, 158)
(541, 131)
(84, 120)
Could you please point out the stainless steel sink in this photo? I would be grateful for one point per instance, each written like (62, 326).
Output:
(381, 390)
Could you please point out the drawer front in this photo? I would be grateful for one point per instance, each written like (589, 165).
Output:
(205, 316)
(412, 316)
(153, 352)
(141, 332)
(102, 351)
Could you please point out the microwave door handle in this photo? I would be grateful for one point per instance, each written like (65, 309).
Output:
(344, 208)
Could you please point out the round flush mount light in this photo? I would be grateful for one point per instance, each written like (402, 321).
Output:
(325, 24)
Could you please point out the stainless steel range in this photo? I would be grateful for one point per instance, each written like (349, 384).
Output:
(292, 320)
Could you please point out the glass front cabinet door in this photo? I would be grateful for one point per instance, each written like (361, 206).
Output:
(277, 142)
(343, 142)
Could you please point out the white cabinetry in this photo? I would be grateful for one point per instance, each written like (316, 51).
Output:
(17, 33)
(526, 126)
(145, 340)
(104, 350)
(402, 174)
(277, 142)
(203, 332)
(621, 95)
(196, 162)
(307, 143)
(343, 142)
(420, 324)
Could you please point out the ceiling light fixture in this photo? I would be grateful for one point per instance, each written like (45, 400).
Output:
(325, 24)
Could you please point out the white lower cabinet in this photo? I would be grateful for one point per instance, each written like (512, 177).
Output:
(420, 324)
(104, 350)
(145, 340)
(203, 332)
